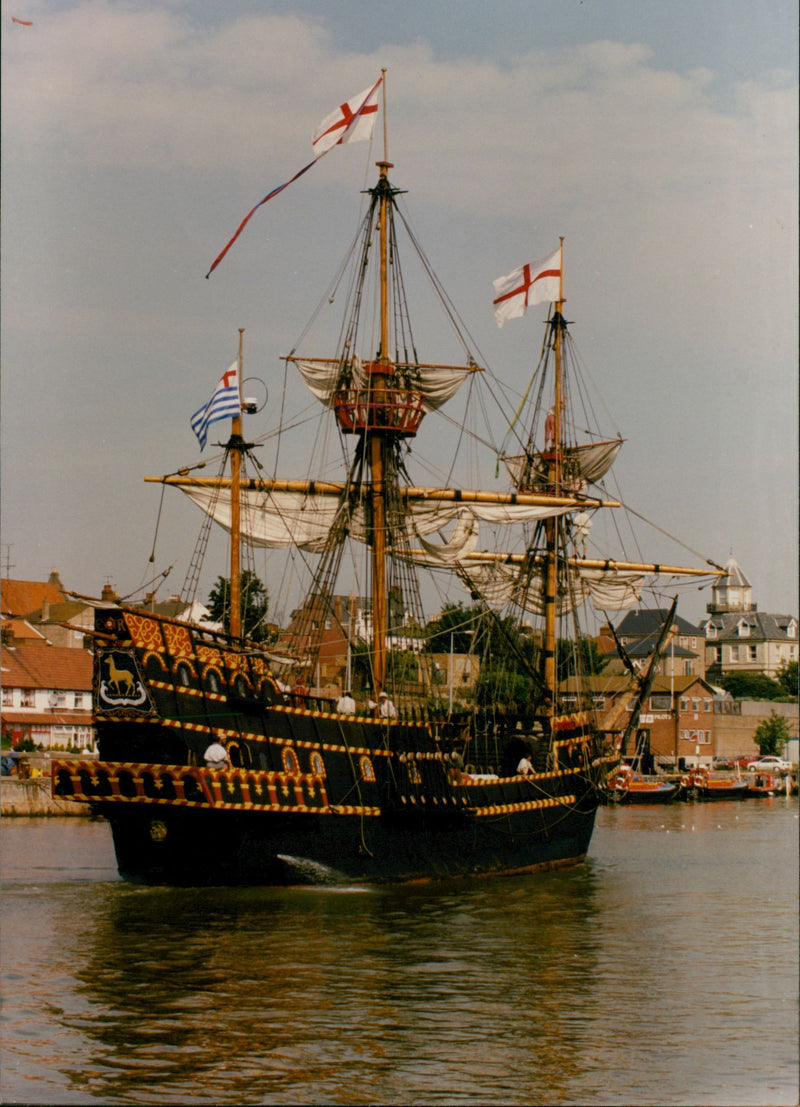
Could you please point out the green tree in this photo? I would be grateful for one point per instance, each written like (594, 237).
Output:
(787, 678)
(772, 735)
(255, 604)
(455, 618)
(584, 655)
(751, 686)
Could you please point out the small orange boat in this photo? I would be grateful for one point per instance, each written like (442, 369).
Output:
(708, 785)
(627, 786)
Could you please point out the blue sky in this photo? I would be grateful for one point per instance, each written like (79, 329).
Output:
(659, 138)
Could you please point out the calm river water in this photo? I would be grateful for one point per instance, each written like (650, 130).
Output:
(663, 971)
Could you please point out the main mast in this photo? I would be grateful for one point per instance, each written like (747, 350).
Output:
(553, 445)
(381, 369)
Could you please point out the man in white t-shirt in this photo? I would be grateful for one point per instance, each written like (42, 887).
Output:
(216, 756)
(386, 709)
(346, 704)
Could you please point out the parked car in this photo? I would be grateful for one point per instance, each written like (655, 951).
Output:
(769, 764)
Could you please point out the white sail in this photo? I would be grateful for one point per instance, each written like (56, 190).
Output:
(279, 519)
(587, 463)
(608, 590)
(324, 377)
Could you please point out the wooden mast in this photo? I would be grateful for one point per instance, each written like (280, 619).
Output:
(377, 436)
(551, 525)
(235, 450)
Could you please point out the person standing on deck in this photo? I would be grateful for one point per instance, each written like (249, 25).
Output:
(346, 704)
(386, 709)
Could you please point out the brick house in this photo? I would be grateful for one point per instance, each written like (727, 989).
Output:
(676, 723)
(47, 696)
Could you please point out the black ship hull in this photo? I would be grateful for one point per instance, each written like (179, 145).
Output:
(181, 847)
(309, 796)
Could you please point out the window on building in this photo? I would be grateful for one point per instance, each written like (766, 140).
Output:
(734, 653)
(695, 706)
(27, 697)
(743, 630)
(718, 655)
(80, 700)
(704, 737)
(752, 653)
(660, 703)
(707, 705)
(694, 643)
(688, 668)
(791, 630)
(8, 697)
(599, 702)
(711, 631)
(684, 703)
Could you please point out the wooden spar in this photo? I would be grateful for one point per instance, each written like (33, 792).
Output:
(608, 564)
(397, 364)
(408, 492)
(235, 449)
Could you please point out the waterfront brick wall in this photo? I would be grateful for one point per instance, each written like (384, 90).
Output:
(734, 732)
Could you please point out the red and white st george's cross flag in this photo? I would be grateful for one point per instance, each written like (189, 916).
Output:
(530, 284)
(350, 122)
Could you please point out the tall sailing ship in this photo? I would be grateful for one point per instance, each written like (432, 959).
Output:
(410, 784)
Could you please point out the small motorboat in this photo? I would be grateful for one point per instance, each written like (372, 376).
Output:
(627, 786)
(704, 783)
(765, 784)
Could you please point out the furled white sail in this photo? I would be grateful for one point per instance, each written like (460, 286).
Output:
(608, 590)
(436, 383)
(279, 519)
(587, 463)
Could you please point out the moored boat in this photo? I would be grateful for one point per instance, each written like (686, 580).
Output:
(765, 785)
(627, 786)
(304, 791)
(703, 783)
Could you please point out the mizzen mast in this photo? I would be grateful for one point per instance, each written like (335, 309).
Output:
(235, 448)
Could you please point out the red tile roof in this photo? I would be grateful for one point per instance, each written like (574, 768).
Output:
(54, 667)
(23, 597)
(21, 628)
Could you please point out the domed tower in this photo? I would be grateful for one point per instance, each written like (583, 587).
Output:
(731, 592)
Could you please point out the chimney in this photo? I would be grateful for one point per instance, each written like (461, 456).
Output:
(45, 610)
(55, 579)
(108, 595)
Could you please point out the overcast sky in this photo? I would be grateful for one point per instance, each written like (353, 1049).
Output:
(659, 137)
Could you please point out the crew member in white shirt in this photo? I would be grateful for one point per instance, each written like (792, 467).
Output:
(216, 756)
(346, 704)
(386, 709)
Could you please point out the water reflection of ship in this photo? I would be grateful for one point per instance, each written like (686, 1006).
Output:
(235, 991)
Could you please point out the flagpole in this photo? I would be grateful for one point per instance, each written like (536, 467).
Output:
(235, 449)
(385, 129)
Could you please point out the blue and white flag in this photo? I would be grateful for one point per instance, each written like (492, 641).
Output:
(224, 403)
